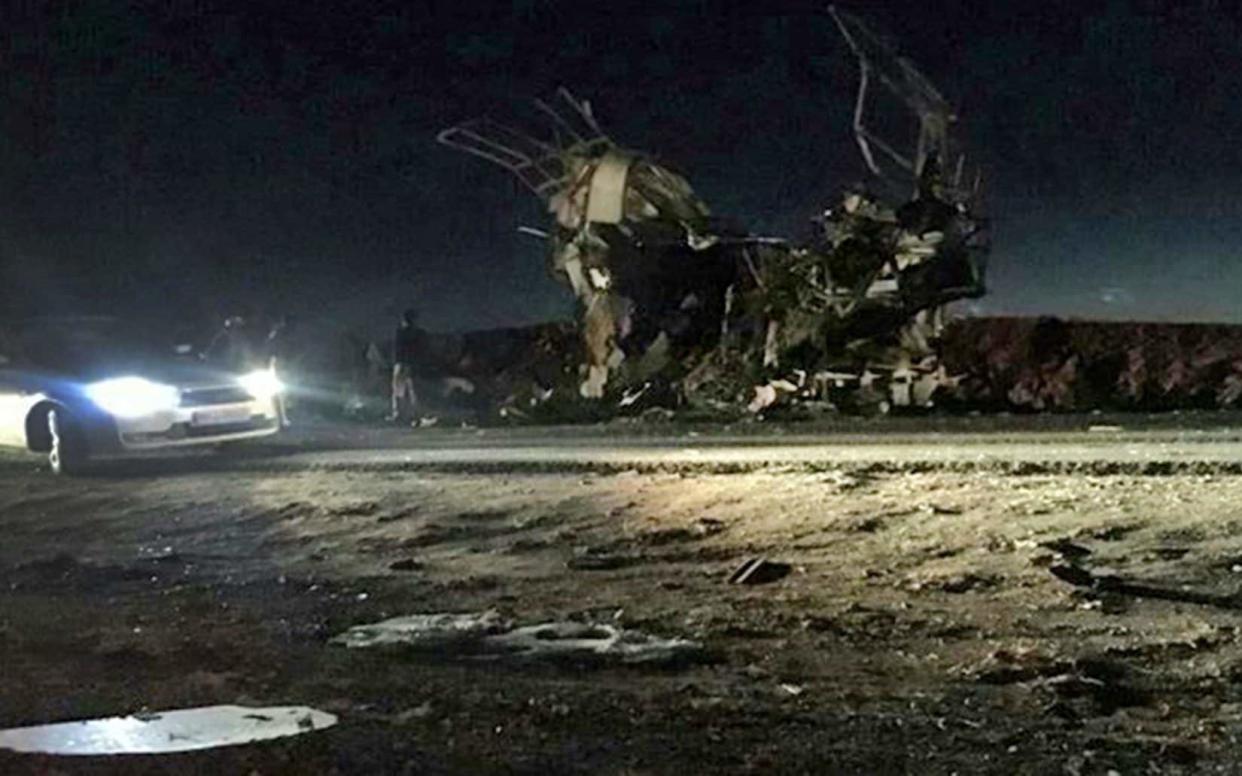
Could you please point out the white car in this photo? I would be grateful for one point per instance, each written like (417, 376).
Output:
(76, 388)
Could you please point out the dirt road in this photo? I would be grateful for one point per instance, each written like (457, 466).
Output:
(920, 628)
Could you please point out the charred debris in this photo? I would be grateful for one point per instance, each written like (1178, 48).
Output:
(678, 309)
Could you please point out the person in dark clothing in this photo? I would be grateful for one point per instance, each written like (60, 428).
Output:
(233, 347)
(276, 345)
(277, 352)
(406, 353)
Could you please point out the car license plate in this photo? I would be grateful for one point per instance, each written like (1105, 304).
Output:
(221, 416)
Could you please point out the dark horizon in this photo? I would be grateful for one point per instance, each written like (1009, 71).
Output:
(201, 157)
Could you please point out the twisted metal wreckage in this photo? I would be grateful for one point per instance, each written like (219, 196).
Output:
(677, 306)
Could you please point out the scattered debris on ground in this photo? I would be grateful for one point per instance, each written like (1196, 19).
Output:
(1111, 584)
(597, 559)
(933, 630)
(164, 732)
(573, 641)
(488, 635)
(759, 571)
(426, 631)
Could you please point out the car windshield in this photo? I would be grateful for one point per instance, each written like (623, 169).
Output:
(72, 344)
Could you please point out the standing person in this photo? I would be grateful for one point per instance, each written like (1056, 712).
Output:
(276, 348)
(233, 347)
(371, 375)
(406, 351)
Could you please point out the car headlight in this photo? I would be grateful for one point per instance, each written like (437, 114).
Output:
(261, 384)
(132, 397)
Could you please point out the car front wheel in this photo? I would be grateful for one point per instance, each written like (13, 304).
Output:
(67, 453)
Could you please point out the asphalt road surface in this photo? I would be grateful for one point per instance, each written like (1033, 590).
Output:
(1062, 443)
(1066, 443)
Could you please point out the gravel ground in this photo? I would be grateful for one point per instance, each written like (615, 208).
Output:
(924, 625)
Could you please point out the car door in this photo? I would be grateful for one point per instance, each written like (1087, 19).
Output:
(18, 394)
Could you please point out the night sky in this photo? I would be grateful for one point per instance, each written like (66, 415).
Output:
(190, 158)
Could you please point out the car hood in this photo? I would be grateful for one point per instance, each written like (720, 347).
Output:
(181, 373)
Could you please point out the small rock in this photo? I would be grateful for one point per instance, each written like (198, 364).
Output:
(1072, 575)
(707, 526)
(420, 712)
(590, 561)
(1167, 553)
(1066, 549)
(957, 583)
(1043, 560)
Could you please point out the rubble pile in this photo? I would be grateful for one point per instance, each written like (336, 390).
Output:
(1053, 364)
(987, 364)
(678, 307)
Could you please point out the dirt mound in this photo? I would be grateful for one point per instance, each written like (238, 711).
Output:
(1054, 364)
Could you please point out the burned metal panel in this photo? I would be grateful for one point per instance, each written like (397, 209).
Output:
(880, 59)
